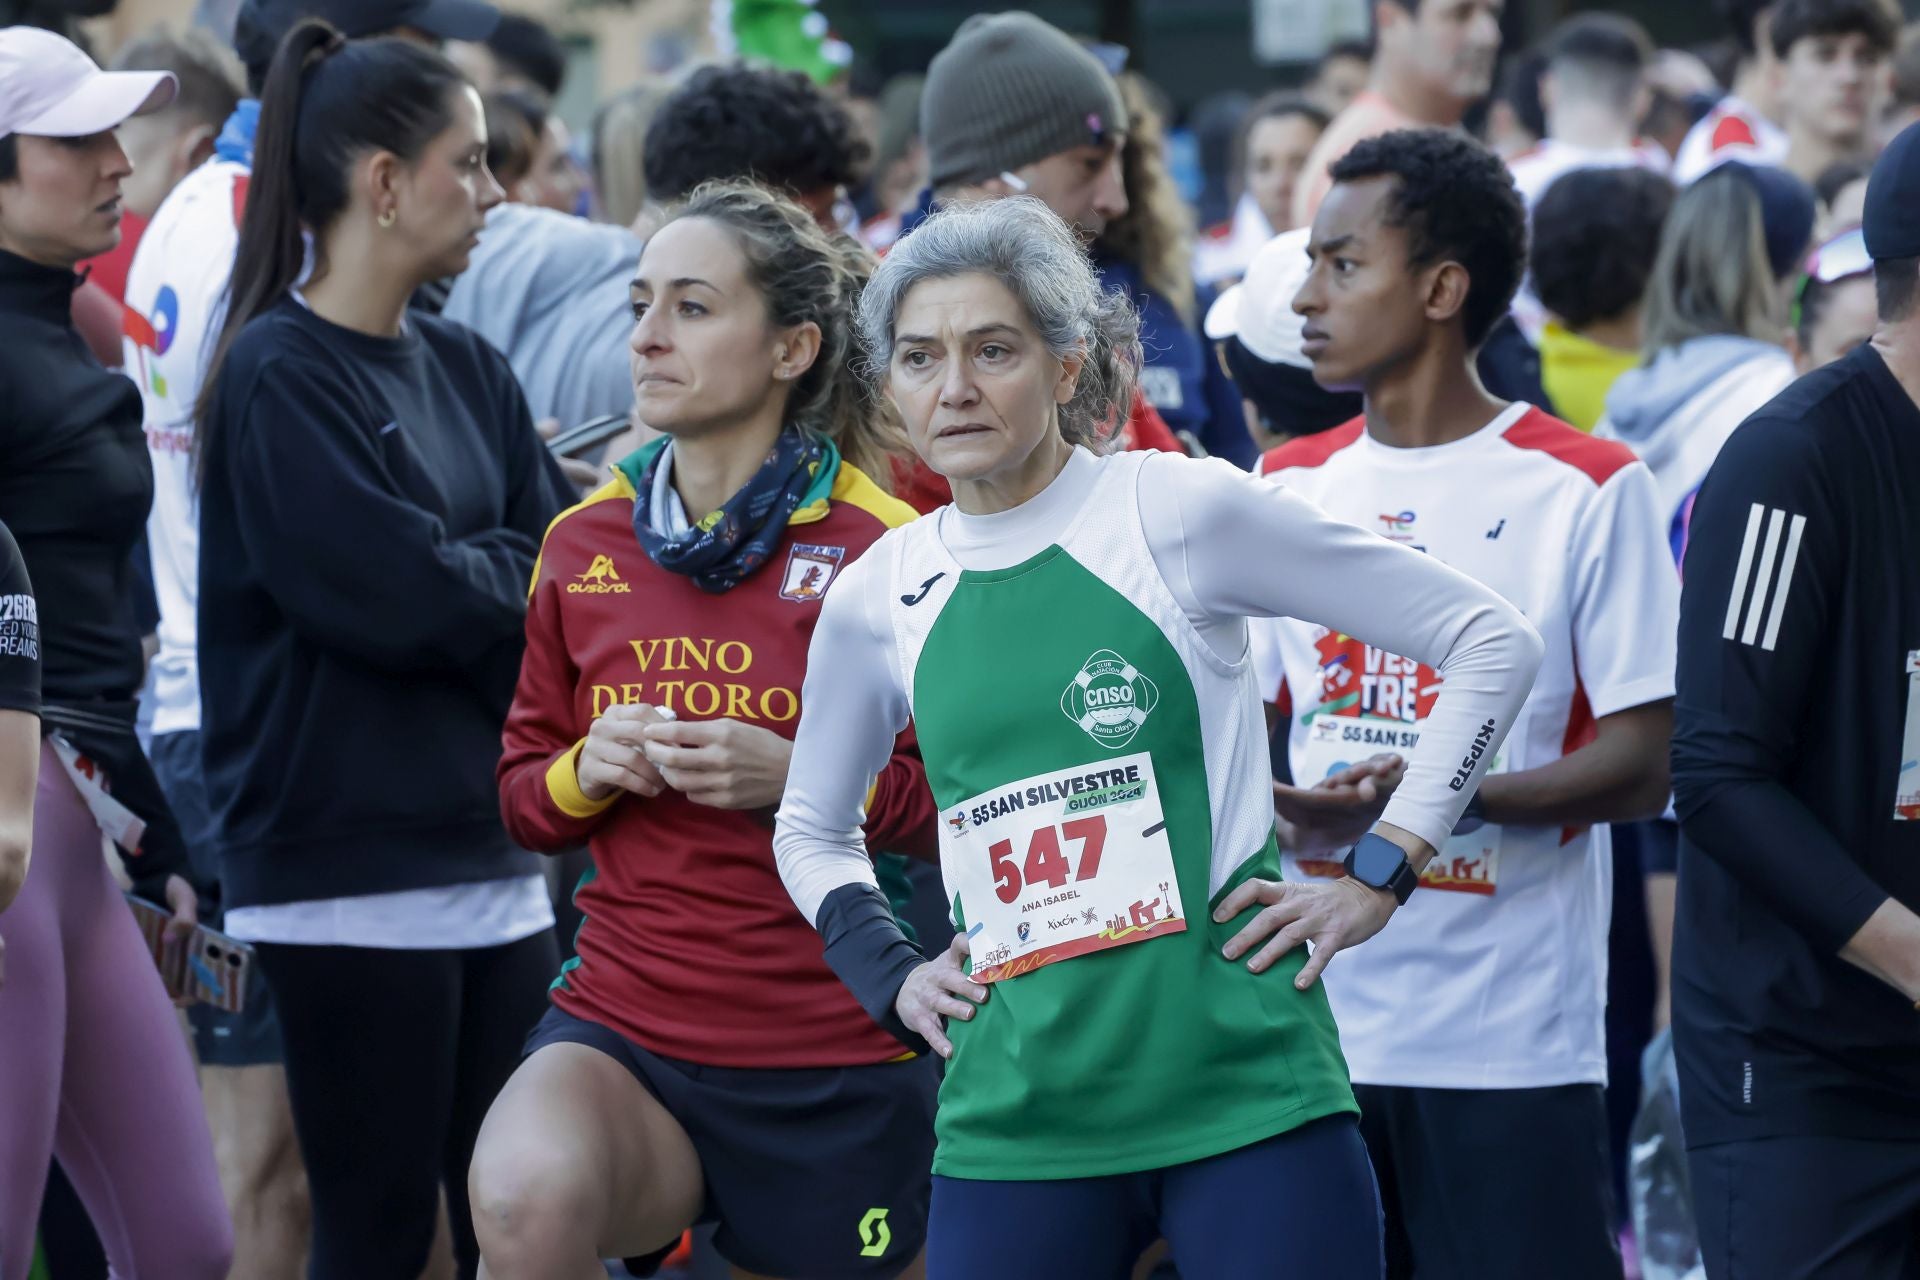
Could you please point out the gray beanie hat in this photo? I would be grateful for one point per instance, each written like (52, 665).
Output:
(1008, 90)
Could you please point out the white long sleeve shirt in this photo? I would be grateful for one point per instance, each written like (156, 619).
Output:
(1227, 547)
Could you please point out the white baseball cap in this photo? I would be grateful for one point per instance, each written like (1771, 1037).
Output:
(50, 88)
(1259, 310)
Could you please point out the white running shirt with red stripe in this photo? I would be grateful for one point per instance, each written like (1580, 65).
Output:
(1494, 974)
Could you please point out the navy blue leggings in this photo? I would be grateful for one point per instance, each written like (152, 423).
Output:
(1302, 1204)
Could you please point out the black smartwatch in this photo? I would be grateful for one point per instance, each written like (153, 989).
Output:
(1379, 863)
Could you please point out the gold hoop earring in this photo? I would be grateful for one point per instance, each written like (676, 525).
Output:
(388, 218)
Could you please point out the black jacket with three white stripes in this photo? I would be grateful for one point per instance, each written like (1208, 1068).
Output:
(1796, 728)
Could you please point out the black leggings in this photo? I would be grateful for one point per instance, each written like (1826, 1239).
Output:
(393, 1058)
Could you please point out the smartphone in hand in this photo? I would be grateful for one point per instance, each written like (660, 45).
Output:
(206, 966)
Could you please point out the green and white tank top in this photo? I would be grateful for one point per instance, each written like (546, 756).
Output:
(1101, 775)
(1077, 671)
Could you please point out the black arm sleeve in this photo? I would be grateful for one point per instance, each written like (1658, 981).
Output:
(869, 953)
(19, 632)
(1763, 579)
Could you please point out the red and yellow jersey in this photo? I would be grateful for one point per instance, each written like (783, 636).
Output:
(691, 945)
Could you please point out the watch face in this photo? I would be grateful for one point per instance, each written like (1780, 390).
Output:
(1375, 859)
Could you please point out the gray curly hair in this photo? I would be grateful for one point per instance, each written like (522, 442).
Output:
(1024, 245)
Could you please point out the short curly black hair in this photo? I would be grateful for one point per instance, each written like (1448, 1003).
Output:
(1456, 201)
(775, 127)
(1596, 233)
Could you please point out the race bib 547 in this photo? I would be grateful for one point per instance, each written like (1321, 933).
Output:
(1061, 864)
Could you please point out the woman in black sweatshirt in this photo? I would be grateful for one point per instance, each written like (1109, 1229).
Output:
(93, 1070)
(372, 498)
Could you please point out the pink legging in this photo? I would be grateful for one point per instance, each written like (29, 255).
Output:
(94, 1069)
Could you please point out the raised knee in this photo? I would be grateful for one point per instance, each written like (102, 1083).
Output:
(530, 1210)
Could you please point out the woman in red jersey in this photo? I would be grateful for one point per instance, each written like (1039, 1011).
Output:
(700, 1061)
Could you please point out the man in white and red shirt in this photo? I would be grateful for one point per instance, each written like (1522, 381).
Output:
(1741, 126)
(1475, 1034)
(1594, 90)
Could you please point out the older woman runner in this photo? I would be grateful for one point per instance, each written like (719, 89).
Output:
(1070, 641)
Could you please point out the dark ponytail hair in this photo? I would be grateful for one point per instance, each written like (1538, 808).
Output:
(326, 102)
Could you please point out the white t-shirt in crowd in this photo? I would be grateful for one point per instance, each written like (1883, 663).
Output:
(1494, 974)
(1733, 130)
(486, 913)
(1536, 168)
(176, 291)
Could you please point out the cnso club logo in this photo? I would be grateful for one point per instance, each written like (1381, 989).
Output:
(1109, 698)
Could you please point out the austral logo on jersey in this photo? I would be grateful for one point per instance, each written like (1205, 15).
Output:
(809, 570)
(600, 579)
(1109, 698)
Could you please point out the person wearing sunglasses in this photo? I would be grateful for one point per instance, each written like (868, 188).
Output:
(1834, 309)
